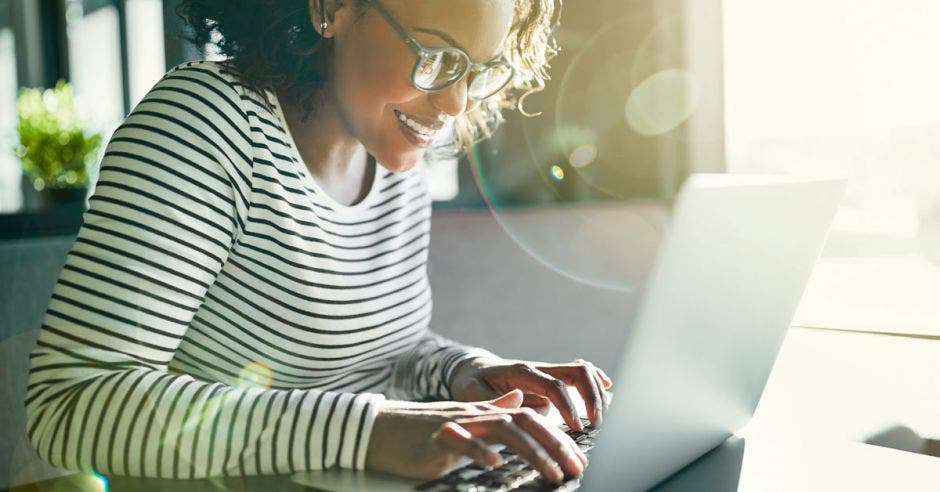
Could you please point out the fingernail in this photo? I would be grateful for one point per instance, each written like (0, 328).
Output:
(557, 473)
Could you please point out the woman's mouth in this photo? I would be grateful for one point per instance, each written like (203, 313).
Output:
(418, 131)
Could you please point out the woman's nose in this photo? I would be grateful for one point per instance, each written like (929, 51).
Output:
(453, 100)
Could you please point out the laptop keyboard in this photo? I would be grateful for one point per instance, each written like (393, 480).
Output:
(513, 474)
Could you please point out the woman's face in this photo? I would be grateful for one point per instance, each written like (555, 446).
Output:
(371, 69)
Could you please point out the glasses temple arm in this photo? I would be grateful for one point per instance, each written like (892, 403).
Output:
(402, 33)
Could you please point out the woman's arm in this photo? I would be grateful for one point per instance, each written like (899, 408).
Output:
(169, 204)
(424, 372)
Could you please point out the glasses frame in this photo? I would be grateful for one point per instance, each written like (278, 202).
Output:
(422, 51)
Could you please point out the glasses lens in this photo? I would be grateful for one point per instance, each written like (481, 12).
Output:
(438, 69)
(489, 81)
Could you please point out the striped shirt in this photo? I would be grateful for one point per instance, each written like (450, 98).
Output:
(219, 314)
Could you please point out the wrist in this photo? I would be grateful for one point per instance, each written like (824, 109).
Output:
(401, 432)
(469, 366)
(462, 367)
(383, 433)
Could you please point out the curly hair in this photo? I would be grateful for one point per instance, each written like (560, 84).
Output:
(272, 44)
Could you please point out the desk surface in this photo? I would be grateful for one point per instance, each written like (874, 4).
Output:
(850, 386)
(891, 293)
(763, 464)
(786, 464)
(827, 392)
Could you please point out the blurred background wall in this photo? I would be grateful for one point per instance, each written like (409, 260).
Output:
(603, 126)
(634, 105)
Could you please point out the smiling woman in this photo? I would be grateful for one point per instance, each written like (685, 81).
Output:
(250, 282)
(274, 44)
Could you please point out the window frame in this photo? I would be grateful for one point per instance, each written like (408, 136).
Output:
(40, 33)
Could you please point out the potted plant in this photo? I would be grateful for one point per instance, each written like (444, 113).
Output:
(53, 145)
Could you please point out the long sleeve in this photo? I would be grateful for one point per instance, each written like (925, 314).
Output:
(423, 373)
(170, 202)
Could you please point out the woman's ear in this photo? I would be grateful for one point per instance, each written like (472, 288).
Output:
(328, 15)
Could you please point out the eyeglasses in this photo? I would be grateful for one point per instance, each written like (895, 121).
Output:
(436, 69)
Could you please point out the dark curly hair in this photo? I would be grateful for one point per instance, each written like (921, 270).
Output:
(272, 44)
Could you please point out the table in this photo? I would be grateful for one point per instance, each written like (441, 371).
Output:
(738, 465)
(828, 391)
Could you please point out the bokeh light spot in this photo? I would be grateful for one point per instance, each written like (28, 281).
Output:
(256, 374)
(583, 156)
(558, 173)
(663, 101)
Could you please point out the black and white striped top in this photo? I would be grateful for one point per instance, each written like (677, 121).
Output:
(220, 314)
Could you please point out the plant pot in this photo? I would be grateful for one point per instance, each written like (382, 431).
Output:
(61, 197)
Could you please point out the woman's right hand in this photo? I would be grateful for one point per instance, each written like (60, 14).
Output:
(425, 440)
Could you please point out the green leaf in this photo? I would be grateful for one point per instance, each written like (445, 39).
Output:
(53, 146)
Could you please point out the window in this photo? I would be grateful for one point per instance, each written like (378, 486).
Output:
(146, 59)
(95, 61)
(848, 88)
(112, 51)
(10, 194)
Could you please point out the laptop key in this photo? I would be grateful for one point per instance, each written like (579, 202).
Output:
(468, 473)
(541, 485)
(517, 478)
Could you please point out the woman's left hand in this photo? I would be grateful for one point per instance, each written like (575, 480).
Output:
(543, 384)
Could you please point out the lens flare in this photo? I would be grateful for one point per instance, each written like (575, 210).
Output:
(101, 482)
(663, 101)
(582, 156)
(256, 374)
(583, 188)
(606, 245)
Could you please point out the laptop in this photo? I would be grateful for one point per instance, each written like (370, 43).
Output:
(727, 280)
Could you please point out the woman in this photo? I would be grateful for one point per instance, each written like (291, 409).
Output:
(249, 282)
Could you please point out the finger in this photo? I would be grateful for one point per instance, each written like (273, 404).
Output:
(603, 375)
(455, 438)
(590, 391)
(601, 385)
(560, 447)
(535, 381)
(605, 395)
(581, 376)
(513, 399)
(607, 381)
(501, 428)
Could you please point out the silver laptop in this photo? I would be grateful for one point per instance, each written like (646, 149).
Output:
(720, 298)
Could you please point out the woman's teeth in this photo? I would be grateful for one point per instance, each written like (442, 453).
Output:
(417, 127)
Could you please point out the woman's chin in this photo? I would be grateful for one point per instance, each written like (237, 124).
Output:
(400, 162)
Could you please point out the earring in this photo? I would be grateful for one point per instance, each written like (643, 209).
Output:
(322, 19)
